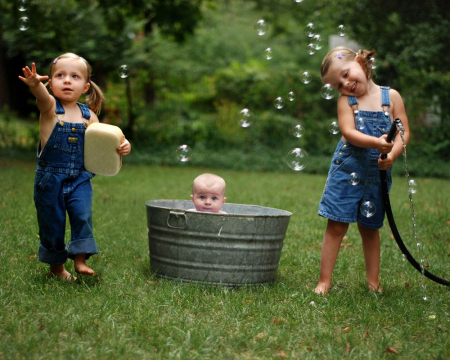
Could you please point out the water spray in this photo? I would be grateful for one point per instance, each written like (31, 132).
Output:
(387, 206)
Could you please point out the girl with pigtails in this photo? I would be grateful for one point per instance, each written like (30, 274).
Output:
(365, 114)
(62, 184)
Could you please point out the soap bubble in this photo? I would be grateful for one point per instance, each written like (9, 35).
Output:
(310, 30)
(123, 71)
(298, 1)
(412, 186)
(353, 178)
(368, 209)
(334, 128)
(245, 118)
(184, 153)
(22, 5)
(297, 159)
(341, 30)
(278, 102)
(306, 77)
(311, 49)
(360, 125)
(268, 53)
(328, 92)
(312, 303)
(373, 63)
(317, 41)
(291, 96)
(23, 23)
(298, 131)
(261, 27)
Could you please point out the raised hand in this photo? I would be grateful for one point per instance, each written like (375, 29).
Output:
(31, 78)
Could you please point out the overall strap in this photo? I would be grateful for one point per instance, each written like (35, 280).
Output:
(353, 103)
(84, 111)
(385, 99)
(59, 107)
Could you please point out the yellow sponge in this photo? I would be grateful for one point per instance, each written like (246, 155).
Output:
(100, 149)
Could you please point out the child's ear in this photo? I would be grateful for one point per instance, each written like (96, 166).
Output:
(86, 87)
(224, 200)
(192, 197)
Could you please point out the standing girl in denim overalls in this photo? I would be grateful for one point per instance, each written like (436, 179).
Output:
(365, 113)
(62, 183)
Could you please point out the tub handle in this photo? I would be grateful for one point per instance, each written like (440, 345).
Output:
(177, 220)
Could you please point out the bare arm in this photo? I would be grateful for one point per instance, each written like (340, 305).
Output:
(44, 100)
(398, 111)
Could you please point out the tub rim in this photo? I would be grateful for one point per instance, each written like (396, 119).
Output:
(283, 213)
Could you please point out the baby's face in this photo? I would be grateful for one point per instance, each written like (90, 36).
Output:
(208, 199)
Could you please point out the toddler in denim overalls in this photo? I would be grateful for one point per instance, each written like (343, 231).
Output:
(365, 113)
(62, 183)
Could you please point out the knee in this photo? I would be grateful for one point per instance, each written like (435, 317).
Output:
(337, 228)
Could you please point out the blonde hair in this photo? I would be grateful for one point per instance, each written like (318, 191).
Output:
(342, 53)
(208, 180)
(95, 97)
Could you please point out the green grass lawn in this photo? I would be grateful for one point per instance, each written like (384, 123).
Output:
(125, 312)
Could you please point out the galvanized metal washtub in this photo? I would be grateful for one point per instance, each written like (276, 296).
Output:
(240, 247)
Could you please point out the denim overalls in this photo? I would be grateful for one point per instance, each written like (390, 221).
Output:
(62, 184)
(341, 201)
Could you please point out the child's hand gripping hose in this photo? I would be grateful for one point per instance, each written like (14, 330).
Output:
(390, 216)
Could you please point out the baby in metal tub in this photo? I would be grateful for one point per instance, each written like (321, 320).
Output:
(208, 193)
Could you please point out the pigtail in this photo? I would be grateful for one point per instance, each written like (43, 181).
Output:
(95, 98)
(367, 61)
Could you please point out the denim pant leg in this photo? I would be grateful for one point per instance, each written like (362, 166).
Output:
(51, 215)
(79, 208)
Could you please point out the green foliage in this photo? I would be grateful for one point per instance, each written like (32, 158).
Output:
(16, 134)
(195, 64)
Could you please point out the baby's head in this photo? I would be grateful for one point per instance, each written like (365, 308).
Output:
(340, 55)
(208, 193)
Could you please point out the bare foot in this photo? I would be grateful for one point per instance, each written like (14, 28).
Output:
(375, 287)
(60, 272)
(322, 288)
(80, 265)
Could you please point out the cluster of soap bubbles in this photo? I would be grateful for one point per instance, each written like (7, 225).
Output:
(24, 22)
(315, 42)
(297, 159)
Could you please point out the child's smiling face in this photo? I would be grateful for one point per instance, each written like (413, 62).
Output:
(347, 77)
(69, 79)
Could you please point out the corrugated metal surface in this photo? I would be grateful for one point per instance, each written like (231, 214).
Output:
(240, 247)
